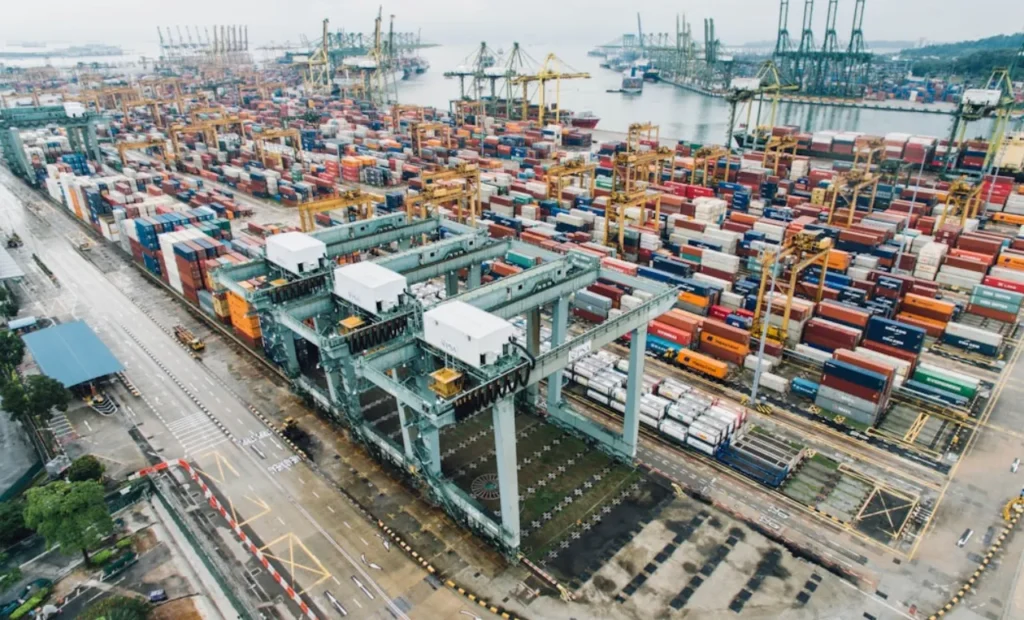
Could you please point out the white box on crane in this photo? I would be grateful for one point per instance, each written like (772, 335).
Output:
(373, 288)
(467, 333)
(296, 252)
(982, 96)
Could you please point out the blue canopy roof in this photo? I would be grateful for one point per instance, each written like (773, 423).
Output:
(71, 353)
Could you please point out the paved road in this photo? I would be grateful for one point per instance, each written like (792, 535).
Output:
(315, 535)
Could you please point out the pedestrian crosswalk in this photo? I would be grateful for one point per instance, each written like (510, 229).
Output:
(196, 433)
(62, 429)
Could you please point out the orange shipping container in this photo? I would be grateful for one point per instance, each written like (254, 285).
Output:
(930, 326)
(729, 345)
(1011, 261)
(703, 363)
(693, 300)
(944, 308)
(838, 260)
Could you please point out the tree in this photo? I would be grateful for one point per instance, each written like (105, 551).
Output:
(15, 398)
(8, 576)
(117, 608)
(45, 393)
(12, 523)
(8, 303)
(70, 514)
(12, 351)
(86, 467)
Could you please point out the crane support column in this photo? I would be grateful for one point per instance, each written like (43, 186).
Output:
(406, 441)
(533, 346)
(430, 437)
(559, 327)
(291, 360)
(508, 476)
(634, 384)
(475, 275)
(451, 283)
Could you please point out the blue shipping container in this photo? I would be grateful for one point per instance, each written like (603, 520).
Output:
(896, 334)
(855, 374)
(804, 387)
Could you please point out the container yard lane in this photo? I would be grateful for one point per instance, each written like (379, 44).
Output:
(319, 543)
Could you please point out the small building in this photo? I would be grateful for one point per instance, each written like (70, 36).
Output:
(71, 353)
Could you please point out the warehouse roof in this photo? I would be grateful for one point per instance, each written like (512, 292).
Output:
(71, 353)
(8, 268)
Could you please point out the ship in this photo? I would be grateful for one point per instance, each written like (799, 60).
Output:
(632, 81)
(413, 66)
(585, 120)
(650, 72)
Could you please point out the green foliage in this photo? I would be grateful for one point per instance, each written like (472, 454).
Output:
(8, 303)
(10, 577)
(125, 542)
(12, 351)
(28, 606)
(70, 514)
(102, 557)
(85, 467)
(973, 68)
(45, 393)
(15, 398)
(116, 608)
(12, 523)
(961, 49)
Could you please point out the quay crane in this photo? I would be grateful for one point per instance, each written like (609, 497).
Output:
(551, 70)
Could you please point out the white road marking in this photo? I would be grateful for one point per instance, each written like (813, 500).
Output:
(316, 495)
(193, 386)
(87, 425)
(276, 445)
(347, 525)
(302, 481)
(331, 509)
(356, 601)
(281, 520)
(364, 541)
(209, 380)
(335, 580)
(217, 398)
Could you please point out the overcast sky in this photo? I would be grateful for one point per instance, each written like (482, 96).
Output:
(132, 22)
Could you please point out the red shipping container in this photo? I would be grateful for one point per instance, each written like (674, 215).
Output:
(997, 315)
(891, 351)
(1006, 285)
(848, 387)
(845, 355)
(719, 312)
(588, 316)
(672, 334)
(969, 264)
(682, 320)
(843, 313)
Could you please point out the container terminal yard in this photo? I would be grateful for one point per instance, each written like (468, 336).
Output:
(487, 362)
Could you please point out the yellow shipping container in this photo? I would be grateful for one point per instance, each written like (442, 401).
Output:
(693, 299)
(735, 347)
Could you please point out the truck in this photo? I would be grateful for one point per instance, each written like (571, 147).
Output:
(187, 338)
(14, 240)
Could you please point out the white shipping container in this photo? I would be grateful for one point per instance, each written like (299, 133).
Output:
(597, 396)
(696, 443)
(775, 383)
(973, 333)
(673, 429)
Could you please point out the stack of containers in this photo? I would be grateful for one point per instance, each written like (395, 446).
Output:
(591, 306)
(994, 303)
(955, 388)
(827, 335)
(724, 341)
(244, 318)
(929, 260)
(894, 339)
(929, 314)
(851, 389)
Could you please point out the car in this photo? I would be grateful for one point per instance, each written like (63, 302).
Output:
(1015, 465)
(157, 596)
(965, 537)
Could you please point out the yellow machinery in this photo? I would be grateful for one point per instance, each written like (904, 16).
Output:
(208, 111)
(201, 129)
(361, 201)
(272, 135)
(418, 130)
(317, 76)
(141, 144)
(642, 131)
(229, 122)
(116, 96)
(397, 111)
(616, 212)
(559, 175)
(869, 154)
(466, 194)
(152, 104)
(775, 148)
(963, 199)
(802, 251)
(768, 81)
(633, 167)
(854, 182)
(446, 382)
(462, 108)
(350, 324)
(707, 158)
(464, 197)
(550, 71)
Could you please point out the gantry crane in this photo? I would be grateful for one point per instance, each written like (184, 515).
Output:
(768, 81)
(618, 203)
(868, 154)
(854, 181)
(640, 167)
(227, 121)
(202, 129)
(260, 140)
(152, 104)
(642, 131)
(362, 202)
(576, 168)
(708, 158)
(160, 143)
(419, 116)
(460, 184)
(208, 111)
(804, 249)
(317, 76)
(775, 148)
(963, 199)
(418, 130)
(461, 108)
(549, 71)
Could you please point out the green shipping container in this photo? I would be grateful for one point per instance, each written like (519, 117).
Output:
(993, 304)
(945, 383)
(1007, 297)
(519, 260)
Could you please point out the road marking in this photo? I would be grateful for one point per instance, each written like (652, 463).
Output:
(316, 495)
(192, 385)
(217, 398)
(209, 380)
(276, 445)
(87, 425)
(240, 420)
(252, 489)
(281, 521)
(335, 580)
(331, 509)
(364, 541)
(347, 525)
(356, 601)
(302, 481)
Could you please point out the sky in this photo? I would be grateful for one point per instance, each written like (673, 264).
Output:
(131, 23)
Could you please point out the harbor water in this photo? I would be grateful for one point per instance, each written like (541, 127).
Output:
(681, 114)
